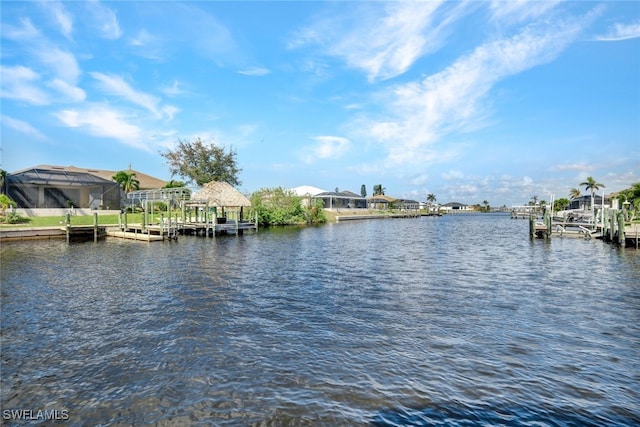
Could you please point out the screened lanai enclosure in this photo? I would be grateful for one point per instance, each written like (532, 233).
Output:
(51, 188)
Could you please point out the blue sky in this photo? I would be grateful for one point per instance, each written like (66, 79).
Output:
(468, 100)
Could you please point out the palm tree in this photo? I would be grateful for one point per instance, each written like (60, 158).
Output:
(127, 181)
(431, 198)
(485, 203)
(3, 177)
(592, 186)
(574, 193)
(378, 190)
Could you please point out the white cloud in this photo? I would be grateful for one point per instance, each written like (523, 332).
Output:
(116, 85)
(621, 32)
(102, 121)
(63, 19)
(22, 126)
(23, 33)
(173, 90)
(581, 167)
(326, 147)
(170, 111)
(381, 41)
(21, 83)
(61, 63)
(103, 19)
(453, 174)
(455, 99)
(255, 71)
(69, 92)
(149, 46)
(516, 11)
(59, 66)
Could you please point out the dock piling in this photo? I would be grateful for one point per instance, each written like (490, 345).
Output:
(68, 221)
(95, 227)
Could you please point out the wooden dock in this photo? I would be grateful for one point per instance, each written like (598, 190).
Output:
(145, 237)
(611, 227)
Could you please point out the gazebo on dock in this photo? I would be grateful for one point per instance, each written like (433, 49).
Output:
(221, 195)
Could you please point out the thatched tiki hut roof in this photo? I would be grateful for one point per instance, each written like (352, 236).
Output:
(221, 194)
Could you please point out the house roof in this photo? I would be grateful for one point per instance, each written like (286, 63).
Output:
(346, 194)
(307, 190)
(52, 177)
(221, 194)
(146, 181)
(381, 198)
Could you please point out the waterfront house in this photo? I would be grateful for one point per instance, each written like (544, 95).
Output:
(307, 193)
(381, 202)
(63, 187)
(455, 207)
(407, 204)
(341, 200)
(584, 202)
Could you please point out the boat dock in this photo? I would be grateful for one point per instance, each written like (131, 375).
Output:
(609, 225)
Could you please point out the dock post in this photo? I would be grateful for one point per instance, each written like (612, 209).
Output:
(125, 220)
(621, 237)
(68, 221)
(120, 221)
(614, 225)
(95, 227)
(207, 215)
(162, 225)
(547, 222)
(532, 226)
(144, 221)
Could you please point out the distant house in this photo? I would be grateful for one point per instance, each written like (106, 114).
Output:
(584, 202)
(46, 186)
(381, 201)
(307, 193)
(341, 200)
(455, 207)
(407, 204)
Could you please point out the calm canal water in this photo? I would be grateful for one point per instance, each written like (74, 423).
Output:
(459, 320)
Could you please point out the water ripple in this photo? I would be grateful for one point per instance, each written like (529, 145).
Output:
(459, 320)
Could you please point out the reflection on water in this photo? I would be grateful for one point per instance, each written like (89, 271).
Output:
(459, 320)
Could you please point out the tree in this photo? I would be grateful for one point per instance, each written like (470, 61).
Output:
(574, 193)
(560, 204)
(127, 181)
(486, 206)
(363, 190)
(592, 186)
(378, 190)
(278, 206)
(175, 184)
(5, 202)
(431, 198)
(631, 195)
(3, 177)
(202, 163)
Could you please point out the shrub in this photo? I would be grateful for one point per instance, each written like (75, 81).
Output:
(14, 218)
(278, 206)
